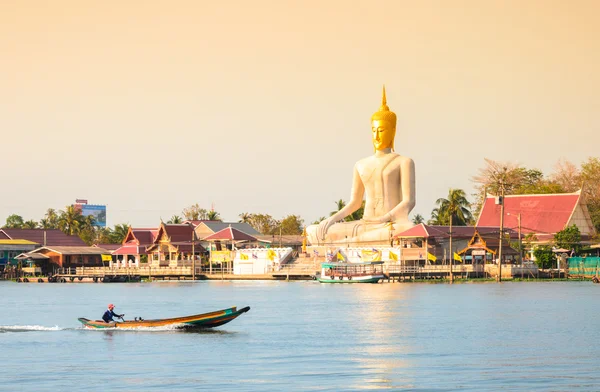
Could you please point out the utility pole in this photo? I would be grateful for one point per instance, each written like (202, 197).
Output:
(193, 254)
(280, 225)
(499, 277)
(451, 253)
(520, 245)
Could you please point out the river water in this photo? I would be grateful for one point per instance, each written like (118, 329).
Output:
(305, 336)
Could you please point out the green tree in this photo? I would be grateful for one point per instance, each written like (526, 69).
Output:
(417, 219)
(455, 207)
(30, 224)
(119, 233)
(436, 218)
(263, 223)
(544, 257)
(291, 225)
(50, 220)
(358, 214)
(214, 216)
(245, 217)
(175, 219)
(568, 238)
(70, 221)
(14, 221)
(339, 205)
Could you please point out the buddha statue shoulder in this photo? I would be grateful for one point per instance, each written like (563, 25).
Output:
(386, 181)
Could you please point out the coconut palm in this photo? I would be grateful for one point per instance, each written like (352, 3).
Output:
(119, 232)
(30, 224)
(417, 219)
(214, 216)
(71, 221)
(175, 219)
(455, 209)
(319, 220)
(340, 204)
(245, 217)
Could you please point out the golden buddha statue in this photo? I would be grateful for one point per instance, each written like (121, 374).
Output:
(387, 182)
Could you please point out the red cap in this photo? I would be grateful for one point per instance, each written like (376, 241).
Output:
(110, 306)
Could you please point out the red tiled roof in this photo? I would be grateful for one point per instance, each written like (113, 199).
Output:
(130, 250)
(539, 213)
(229, 233)
(145, 236)
(53, 237)
(179, 233)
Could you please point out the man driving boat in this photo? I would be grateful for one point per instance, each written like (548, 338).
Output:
(109, 314)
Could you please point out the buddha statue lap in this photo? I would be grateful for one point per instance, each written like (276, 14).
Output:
(386, 181)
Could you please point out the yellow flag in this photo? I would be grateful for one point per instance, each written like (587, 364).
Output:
(340, 256)
(431, 257)
(243, 256)
(393, 256)
(271, 254)
(106, 257)
(457, 257)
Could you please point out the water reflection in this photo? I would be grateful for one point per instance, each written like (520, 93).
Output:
(383, 321)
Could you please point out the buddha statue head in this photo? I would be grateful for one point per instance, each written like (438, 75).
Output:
(383, 126)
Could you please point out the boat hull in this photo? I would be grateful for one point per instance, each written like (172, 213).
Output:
(204, 320)
(351, 279)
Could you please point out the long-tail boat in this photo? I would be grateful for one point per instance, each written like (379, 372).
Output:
(204, 320)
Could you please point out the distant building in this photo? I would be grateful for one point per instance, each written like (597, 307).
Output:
(541, 215)
(42, 237)
(134, 245)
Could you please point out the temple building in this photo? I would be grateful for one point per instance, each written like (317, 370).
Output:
(540, 215)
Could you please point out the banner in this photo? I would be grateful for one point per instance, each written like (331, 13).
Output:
(431, 257)
(221, 255)
(371, 255)
(106, 257)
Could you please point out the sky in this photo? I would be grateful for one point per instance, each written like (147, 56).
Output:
(264, 106)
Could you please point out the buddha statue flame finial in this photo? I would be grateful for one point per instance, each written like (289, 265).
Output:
(384, 113)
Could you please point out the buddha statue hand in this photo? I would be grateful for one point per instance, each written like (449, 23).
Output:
(379, 219)
(324, 226)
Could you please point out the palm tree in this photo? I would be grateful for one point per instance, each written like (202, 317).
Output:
(214, 216)
(435, 219)
(455, 210)
(119, 232)
(71, 221)
(340, 204)
(51, 219)
(30, 224)
(358, 214)
(245, 217)
(418, 219)
(319, 220)
(175, 219)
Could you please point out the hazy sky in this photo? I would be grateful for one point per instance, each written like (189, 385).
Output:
(264, 106)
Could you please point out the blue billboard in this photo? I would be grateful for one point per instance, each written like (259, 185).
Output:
(98, 211)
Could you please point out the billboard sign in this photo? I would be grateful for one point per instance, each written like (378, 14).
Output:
(98, 211)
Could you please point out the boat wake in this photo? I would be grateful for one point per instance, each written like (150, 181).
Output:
(165, 328)
(28, 328)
